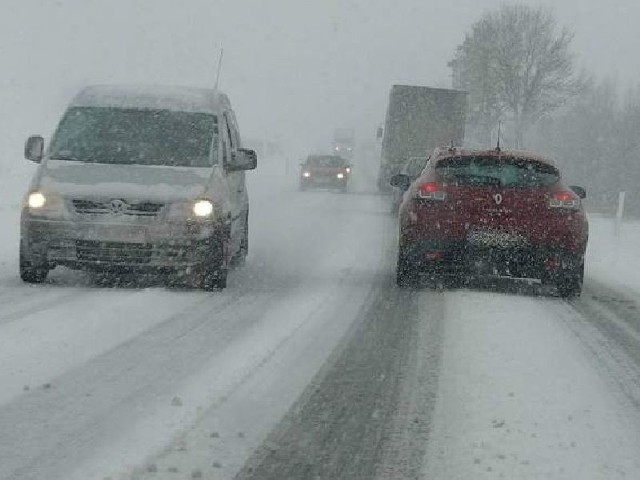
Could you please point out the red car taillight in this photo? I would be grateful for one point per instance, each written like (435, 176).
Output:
(565, 201)
(431, 191)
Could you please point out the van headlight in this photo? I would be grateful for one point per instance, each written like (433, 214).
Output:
(36, 200)
(203, 208)
(45, 204)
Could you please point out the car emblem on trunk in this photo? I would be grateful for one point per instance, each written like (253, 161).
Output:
(498, 198)
(117, 207)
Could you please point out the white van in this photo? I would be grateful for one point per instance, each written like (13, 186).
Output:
(139, 179)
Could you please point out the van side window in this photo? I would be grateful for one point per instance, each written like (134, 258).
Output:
(234, 142)
(230, 132)
(225, 159)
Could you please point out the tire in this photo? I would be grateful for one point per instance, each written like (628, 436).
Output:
(240, 257)
(406, 272)
(213, 274)
(31, 272)
(569, 285)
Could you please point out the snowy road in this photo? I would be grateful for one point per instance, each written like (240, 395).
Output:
(312, 364)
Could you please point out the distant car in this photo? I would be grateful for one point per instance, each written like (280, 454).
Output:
(139, 179)
(325, 171)
(411, 169)
(492, 213)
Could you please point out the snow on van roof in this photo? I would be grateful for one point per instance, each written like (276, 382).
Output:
(184, 99)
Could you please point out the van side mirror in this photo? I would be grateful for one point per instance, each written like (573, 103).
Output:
(243, 159)
(34, 148)
(580, 191)
(400, 181)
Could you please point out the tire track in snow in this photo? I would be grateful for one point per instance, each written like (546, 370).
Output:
(37, 306)
(360, 417)
(89, 405)
(608, 330)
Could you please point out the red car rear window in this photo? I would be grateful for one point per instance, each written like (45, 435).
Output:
(496, 171)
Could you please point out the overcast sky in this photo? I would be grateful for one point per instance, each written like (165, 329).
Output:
(294, 69)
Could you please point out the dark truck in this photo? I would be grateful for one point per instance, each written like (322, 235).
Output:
(418, 120)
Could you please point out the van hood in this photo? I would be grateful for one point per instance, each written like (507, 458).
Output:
(143, 182)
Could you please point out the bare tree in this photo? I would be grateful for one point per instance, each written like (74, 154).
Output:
(515, 61)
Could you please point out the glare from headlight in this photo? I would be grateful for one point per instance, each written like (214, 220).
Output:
(203, 208)
(36, 200)
(306, 174)
(340, 175)
(348, 169)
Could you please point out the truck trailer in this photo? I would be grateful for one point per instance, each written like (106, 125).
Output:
(418, 120)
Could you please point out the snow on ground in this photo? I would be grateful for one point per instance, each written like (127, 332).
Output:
(519, 398)
(614, 257)
(519, 394)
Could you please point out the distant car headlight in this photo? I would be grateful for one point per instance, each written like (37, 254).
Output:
(340, 176)
(348, 169)
(337, 149)
(203, 208)
(36, 200)
(306, 174)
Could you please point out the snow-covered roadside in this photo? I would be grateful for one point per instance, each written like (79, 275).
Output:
(611, 258)
(519, 398)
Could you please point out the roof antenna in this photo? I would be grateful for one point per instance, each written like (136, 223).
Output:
(499, 128)
(219, 68)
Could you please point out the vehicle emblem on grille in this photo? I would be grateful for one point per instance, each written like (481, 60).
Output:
(117, 207)
(498, 198)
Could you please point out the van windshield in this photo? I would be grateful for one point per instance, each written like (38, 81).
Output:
(140, 137)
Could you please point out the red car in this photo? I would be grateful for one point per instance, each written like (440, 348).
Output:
(492, 213)
(325, 171)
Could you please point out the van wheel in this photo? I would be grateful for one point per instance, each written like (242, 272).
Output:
(240, 257)
(213, 273)
(31, 272)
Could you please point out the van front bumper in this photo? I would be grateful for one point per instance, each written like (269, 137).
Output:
(103, 246)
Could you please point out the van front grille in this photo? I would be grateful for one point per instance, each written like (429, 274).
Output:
(116, 207)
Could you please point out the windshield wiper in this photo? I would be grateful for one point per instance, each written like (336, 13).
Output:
(478, 179)
(70, 158)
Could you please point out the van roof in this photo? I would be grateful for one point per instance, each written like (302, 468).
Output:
(152, 97)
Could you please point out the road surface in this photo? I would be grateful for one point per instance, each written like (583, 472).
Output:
(314, 365)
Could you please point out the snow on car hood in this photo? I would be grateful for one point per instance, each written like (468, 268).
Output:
(143, 182)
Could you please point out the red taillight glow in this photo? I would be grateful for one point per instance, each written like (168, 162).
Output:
(564, 200)
(431, 191)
